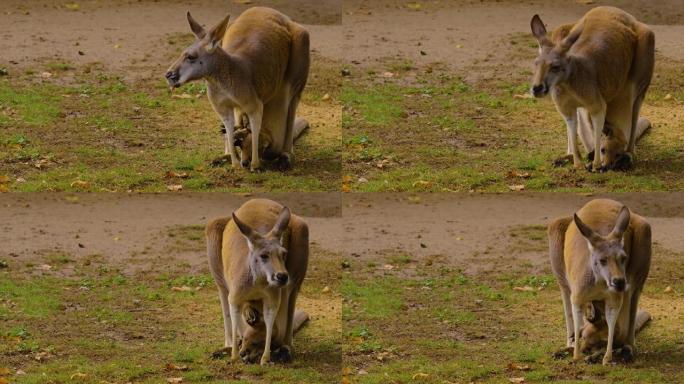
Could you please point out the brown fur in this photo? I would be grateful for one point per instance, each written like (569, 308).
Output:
(239, 286)
(582, 280)
(260, 71)
(603, 64)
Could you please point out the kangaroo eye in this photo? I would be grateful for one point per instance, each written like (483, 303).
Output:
(264, 256)
(192, 57)
(603, 150)
(603, 261)
(555, 68)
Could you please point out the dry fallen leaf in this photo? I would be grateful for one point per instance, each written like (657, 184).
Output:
(326, 97)
(174, 367)
(420, 375)
(78, 375)
(3, 188)
(4, 179)
(183, 96)
(174, 380)
(172, 174)
(345, 188)
(414, 6)
(243, 2)
(516, 173)
(517, 379)
(326, 289)
(174, 188)
(185, 288)
(668, 289)
(46, 75)
(422, 183)
(414, 199)
(80, 184)
(518, 367)
(517, 187)
(523, 96)
(668, 97)
(72, 6)
(527, 288)
(3, 380)
(5, 371)
(387, 74)
(45, 267)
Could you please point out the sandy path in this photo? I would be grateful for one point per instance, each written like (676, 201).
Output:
(132, 37)
(456, 226)
(460, 33)
(123, 227)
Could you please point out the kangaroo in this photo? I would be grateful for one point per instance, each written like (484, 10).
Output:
(243, 141)
(602, 63)
(613, 141)
(602, 253)
(254, 335)
(258, 66)
(595, 332)
(259, 256)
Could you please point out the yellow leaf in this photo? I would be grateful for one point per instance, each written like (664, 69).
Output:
(414, 6)
(5, 371)
(4, 179)
(72, 6)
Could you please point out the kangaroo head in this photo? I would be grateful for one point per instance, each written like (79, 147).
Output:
(608, 256)
(613, 149)
(267, 254)
(199, 59)
(243, 142)
(552, 65)
(595, 330)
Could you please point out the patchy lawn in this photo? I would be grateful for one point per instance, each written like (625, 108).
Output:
(410, 320)
(429, 128)
(89, 321)
(69, 128)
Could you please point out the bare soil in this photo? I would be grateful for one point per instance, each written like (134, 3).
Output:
(461, 33)
(131, 37)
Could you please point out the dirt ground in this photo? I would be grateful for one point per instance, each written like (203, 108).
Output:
(462, 32)
(437, 100)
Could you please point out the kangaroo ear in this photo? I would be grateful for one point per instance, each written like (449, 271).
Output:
(196, 27)
(607, 130)
(216, 34)
(246, 230)
(570, 39)
(621, 224)
(538, 29)
(587, 232)
(281, 223)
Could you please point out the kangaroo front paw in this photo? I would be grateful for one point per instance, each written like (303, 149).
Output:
(562, 161)
(220, 161)
(265, 359)
(563, 353)
(595, 357)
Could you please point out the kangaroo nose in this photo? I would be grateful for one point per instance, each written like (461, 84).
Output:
(245, 164)
(619, 283)
(281, 277)
(171, 75)
(537, 89)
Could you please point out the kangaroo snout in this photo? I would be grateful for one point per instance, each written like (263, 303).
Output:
(172, 77)
(281, 278)
(539, 90)
(618, 283)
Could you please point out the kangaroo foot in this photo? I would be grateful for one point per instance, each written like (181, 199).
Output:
(220, 354)
(221, 161)
(562, 161)
(282, 354)
(564, 353)
(596, 357)
(251, 354)
(284, 162)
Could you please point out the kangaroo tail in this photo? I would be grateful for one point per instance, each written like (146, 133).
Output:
(214, 235)
(642, 318)
(643, 125)
(300, 126)
(300, 319)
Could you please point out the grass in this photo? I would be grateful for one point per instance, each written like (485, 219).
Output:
(96, 323)
(429, 129)
(84, 129)
(429, 322)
